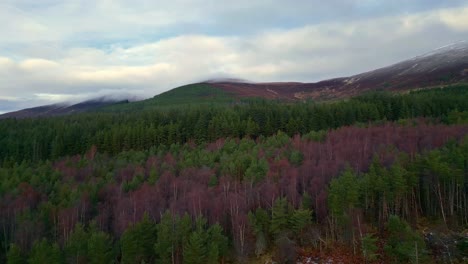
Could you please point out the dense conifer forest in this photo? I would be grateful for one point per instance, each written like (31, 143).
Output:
(376, 178)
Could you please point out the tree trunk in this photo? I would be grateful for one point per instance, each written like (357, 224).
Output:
(441, 204)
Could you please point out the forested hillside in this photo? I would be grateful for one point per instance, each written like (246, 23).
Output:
(143, 125)
(377, 178)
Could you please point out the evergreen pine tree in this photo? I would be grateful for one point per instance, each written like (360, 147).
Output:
(99, 248)
(76, 248)
(369, 247)
(195, 251)
(217, 244)
(404, 244)
(137, 242)
(43, 252)
(306, 201)
(299, 220)
(260, 222)
(279, 216)
(164, 246)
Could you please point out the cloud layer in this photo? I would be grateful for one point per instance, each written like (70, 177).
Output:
(56, 52)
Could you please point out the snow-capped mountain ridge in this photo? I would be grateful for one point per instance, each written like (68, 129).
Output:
(449, 56)
(442, 66)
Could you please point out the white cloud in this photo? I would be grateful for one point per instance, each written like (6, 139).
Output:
(456, 19)
(54, 98)
(33, 65)
(5, 62)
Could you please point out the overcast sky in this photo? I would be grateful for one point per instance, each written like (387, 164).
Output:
(55, 50)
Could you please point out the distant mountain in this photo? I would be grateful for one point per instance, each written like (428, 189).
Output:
(446, 65)
(443, 66)
(63, 109)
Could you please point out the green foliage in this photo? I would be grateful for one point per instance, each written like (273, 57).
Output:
(306, 201)
(202, 245)
(99, 248)
(136, 181)
(299, 220)
(202, 93)
(217, 244)
(369, 247)
(192, 94)
(318, 136)
(404, 244)
(44, 252)
(165, 243)
(260, 222)
(14, 255)
(457, 117)
(257, 170)
(279, 217)
(183, 229)
(195, 251)
(153, 177)
(213, 181)
(277, 140)
(296, 158)
(76, 248)
(343, 193)
(137, 242)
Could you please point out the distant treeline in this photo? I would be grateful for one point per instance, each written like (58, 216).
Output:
(113, 132)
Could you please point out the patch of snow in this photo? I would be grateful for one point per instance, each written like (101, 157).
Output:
(446, 56)
(408, 70)
(351, 80)
(271, 91)
(457, 46)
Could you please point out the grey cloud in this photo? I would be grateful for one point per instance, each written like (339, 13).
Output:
(102, 22)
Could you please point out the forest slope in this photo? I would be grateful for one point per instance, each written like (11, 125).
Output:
(381, 177)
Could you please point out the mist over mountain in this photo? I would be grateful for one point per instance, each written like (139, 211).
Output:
(66, 108)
